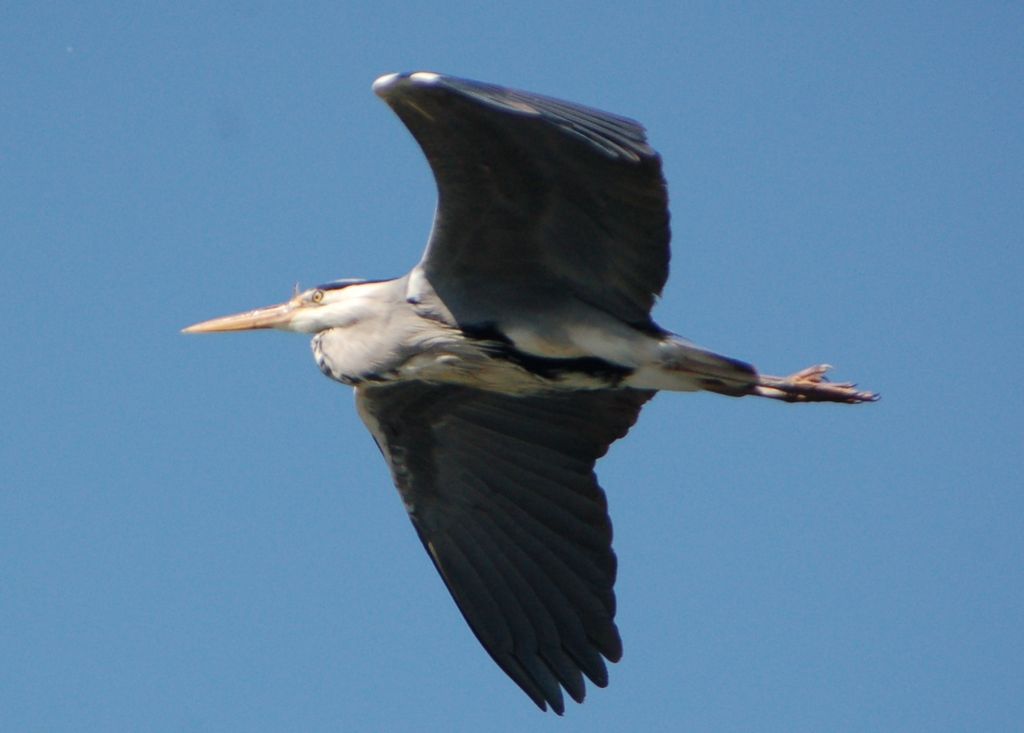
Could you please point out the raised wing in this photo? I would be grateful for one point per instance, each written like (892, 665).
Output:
(502, 493)
(539, 200)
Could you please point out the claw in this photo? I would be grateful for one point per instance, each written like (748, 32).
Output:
(811, 385)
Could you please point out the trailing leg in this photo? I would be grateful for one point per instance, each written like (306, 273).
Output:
(810, 385)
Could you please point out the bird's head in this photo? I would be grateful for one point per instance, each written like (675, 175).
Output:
(308, 311)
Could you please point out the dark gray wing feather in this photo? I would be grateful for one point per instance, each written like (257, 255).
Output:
(502, 492)
(535, 196)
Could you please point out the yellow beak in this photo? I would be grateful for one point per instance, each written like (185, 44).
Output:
(273, 316)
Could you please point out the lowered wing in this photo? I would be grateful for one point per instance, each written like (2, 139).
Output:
(502, 492)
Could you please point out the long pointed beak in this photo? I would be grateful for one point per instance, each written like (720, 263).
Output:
(273, 316)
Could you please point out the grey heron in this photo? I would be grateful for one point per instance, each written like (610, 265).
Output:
(495, 373)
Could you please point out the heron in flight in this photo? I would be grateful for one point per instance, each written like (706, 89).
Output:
(495, 373)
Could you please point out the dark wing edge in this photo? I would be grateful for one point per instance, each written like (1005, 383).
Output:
(502, 493)
(532, 190)
(614, 136)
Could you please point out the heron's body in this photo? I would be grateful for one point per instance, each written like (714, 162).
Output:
(497, 372)
(394, 330)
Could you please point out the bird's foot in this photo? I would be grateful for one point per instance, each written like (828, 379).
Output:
(810, 385)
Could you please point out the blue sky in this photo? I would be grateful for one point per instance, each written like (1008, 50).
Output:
(198, 533)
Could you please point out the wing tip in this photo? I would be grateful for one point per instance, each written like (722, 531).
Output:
(388, 84)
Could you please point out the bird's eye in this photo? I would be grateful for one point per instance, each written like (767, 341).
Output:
(317, 296)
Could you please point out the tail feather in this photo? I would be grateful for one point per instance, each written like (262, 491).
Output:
(720, 374)
(684, 367)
